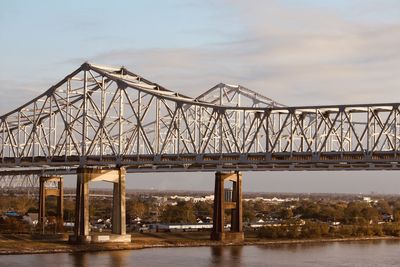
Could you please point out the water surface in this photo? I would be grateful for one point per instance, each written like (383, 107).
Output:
(360, 253)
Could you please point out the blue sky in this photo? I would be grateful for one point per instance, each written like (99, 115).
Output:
(298, 52)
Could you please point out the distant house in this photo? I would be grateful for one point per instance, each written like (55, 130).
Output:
(387, 217)
(367, 199)
(34, 216)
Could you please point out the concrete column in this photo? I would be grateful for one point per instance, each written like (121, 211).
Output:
(57, 192)
(116, 212)
(77, 223)
(60, 205)
(82, 204)
(42, 202)
(234, 204)
(119, 205)
(237, 212)
(116, 176)
(219, 212)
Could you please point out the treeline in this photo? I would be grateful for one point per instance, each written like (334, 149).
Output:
(311, 229)
(146, 209)
(353, 212)
(323, 217)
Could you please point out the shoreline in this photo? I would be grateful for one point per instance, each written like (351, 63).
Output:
(49, 247)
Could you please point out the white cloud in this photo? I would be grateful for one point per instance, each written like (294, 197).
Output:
(296, 54)
(295, 65)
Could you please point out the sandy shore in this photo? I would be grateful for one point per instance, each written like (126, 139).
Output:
(25, 244)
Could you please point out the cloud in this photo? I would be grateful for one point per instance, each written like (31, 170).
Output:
(296, 56)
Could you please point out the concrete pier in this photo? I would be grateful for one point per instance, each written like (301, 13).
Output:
(117, 176)
(58, 192)
(228, 198)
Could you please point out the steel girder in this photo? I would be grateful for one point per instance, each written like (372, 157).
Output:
(110, 116)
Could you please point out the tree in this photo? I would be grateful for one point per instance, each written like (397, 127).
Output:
(384, 207)
(396, 215)
(183, 212)
(23, 203)
(314, 230)
(203, 209)
(308, 210)
(370, 214)
(260, 206)
(353, 212)
(286, 213)
(330, 213)
(137, 209)
(249, 214)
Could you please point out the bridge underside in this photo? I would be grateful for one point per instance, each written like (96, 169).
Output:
(296, 161)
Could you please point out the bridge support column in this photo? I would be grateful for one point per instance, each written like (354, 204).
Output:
(119, 205)
(228, 198)
(82, 231)
(81, 227)
(57, 192)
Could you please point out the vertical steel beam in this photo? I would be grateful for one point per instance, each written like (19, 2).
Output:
(84, 116)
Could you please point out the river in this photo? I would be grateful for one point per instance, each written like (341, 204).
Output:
(360, 253)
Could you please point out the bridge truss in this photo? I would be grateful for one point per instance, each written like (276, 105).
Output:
(105, 117)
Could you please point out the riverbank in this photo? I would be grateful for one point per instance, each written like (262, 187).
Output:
(25, 244)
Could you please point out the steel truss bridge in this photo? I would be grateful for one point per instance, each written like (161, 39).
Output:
(107, 117)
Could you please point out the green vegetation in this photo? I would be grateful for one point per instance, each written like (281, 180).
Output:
(331, 219)
(183, 212)
(307, 217)
(322, 230)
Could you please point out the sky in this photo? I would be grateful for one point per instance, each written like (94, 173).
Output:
(297, 52)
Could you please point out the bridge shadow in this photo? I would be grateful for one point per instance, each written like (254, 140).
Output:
(108, 258)
(226, 256)
(79, 260)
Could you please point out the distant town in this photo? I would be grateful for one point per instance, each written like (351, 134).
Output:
(267, 215)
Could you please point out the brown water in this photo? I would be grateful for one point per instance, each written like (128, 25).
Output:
(362, 253)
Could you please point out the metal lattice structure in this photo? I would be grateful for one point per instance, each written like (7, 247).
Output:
(236, 96)
(18, 181)
(101, 116)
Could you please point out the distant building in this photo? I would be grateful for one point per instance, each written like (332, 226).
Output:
(367, 199)
(274, 200)
(388, 217)
(34, 217)
(190, 198)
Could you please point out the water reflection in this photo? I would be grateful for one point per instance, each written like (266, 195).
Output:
(294, 247)
(80, 259)
(110, 259)
(118, 258)
(226, 256)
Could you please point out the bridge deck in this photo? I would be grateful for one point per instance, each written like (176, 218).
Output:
(295, 161)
